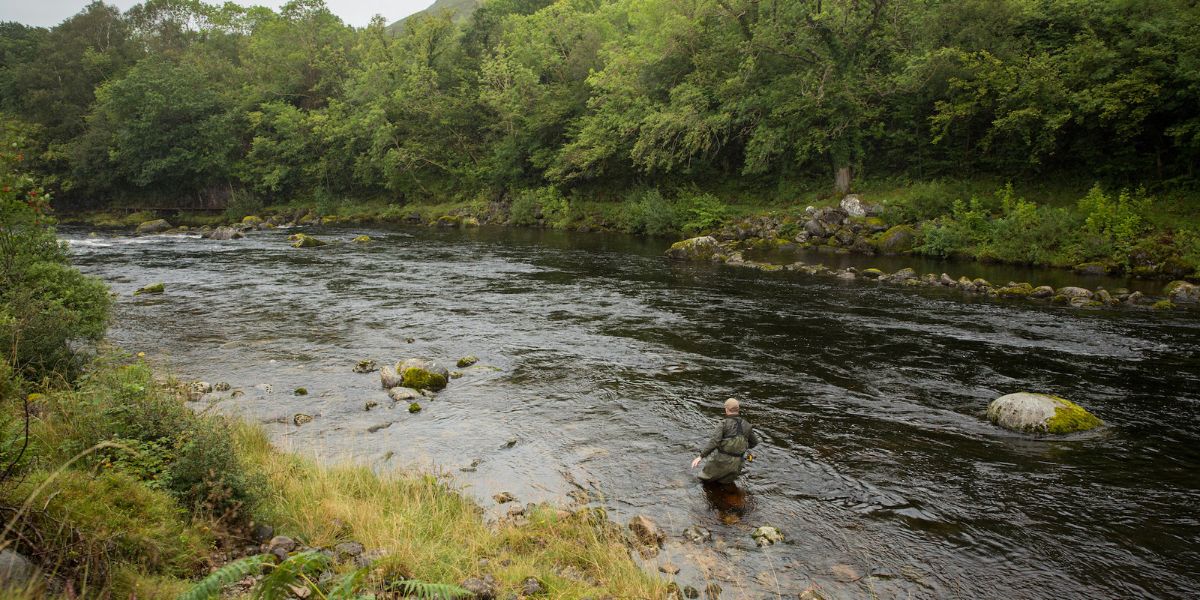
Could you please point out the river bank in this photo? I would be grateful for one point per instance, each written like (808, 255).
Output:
(793, 241)
(1114, 233)
(109, 522)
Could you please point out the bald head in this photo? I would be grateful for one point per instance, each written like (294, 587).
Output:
(732, 406)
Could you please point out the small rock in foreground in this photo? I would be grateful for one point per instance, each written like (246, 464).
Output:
(766, 535)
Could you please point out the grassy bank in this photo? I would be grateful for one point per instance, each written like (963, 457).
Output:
(124, 491)
(1063, 224)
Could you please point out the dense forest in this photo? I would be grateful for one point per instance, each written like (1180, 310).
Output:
(181, 102)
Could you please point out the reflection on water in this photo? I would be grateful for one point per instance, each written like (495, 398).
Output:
(602, 367)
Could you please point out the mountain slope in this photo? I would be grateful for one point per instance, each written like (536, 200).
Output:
(460, 9)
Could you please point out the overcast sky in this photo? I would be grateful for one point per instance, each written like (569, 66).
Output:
(358, 13)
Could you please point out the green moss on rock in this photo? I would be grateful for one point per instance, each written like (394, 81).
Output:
(302, 240)
(897, 240)
(414, 407)
(362, 239)
(1163, 305)
(421, 379)
(1070, 418)
(154, 288)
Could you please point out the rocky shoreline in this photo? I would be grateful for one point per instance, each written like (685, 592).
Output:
(851, 227)
(732, 253)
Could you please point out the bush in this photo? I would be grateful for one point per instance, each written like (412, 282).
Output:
(544, 205)
(647, 212)
(700, 212)
(45, 304)
(1029, 234)
(1113, 225)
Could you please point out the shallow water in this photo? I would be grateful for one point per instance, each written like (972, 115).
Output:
(607, 364)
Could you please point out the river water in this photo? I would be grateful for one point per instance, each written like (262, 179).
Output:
(607, 364)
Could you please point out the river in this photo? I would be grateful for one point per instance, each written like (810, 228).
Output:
(607, 365)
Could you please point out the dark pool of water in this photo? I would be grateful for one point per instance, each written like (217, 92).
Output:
(607, 364)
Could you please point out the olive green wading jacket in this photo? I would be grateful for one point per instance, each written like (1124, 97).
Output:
(725, 466)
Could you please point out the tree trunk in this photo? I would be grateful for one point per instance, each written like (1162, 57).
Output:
(841, 182)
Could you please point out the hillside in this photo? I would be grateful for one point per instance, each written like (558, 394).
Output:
(461, 10)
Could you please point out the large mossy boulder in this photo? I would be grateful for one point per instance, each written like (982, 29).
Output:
(697, 248)
(422, 374)
(155, 226)
(1182, 292)
(1027, 412)
(897, 240)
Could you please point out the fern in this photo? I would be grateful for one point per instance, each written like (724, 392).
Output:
(346, 587)
(293, 571)
(212, 585)
(431, 591)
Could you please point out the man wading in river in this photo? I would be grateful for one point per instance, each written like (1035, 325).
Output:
(733, 437)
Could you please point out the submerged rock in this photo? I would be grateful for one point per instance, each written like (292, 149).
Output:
(389, 378)
(155, 226)
(422, 374)
(154, 288)
(403, 394)
(766, 535)
(303, 240)
(1040, 413)
(646, 531)
(1042, 291)
(365, 366)
(1075, 292)
(223, 233)
(301, 419)
(466, 361)
(697, 248)
(362, 239)
(1016, 290)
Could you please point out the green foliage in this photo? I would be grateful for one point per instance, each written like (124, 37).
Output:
(86, 523)
(647, 212)
(545, 205)
(1114, 225)
(45, 304)
(700, 211)
(211, 586)
(432, 591)
(164, 443)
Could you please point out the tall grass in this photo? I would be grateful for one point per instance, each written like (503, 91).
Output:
(429, 531)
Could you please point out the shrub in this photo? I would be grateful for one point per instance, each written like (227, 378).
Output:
(1114, 225)
(700, 212)
(1031, 234)
(961, 232)
(1187, 243)
(647, 212)
(539, 205)
(45, 304)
